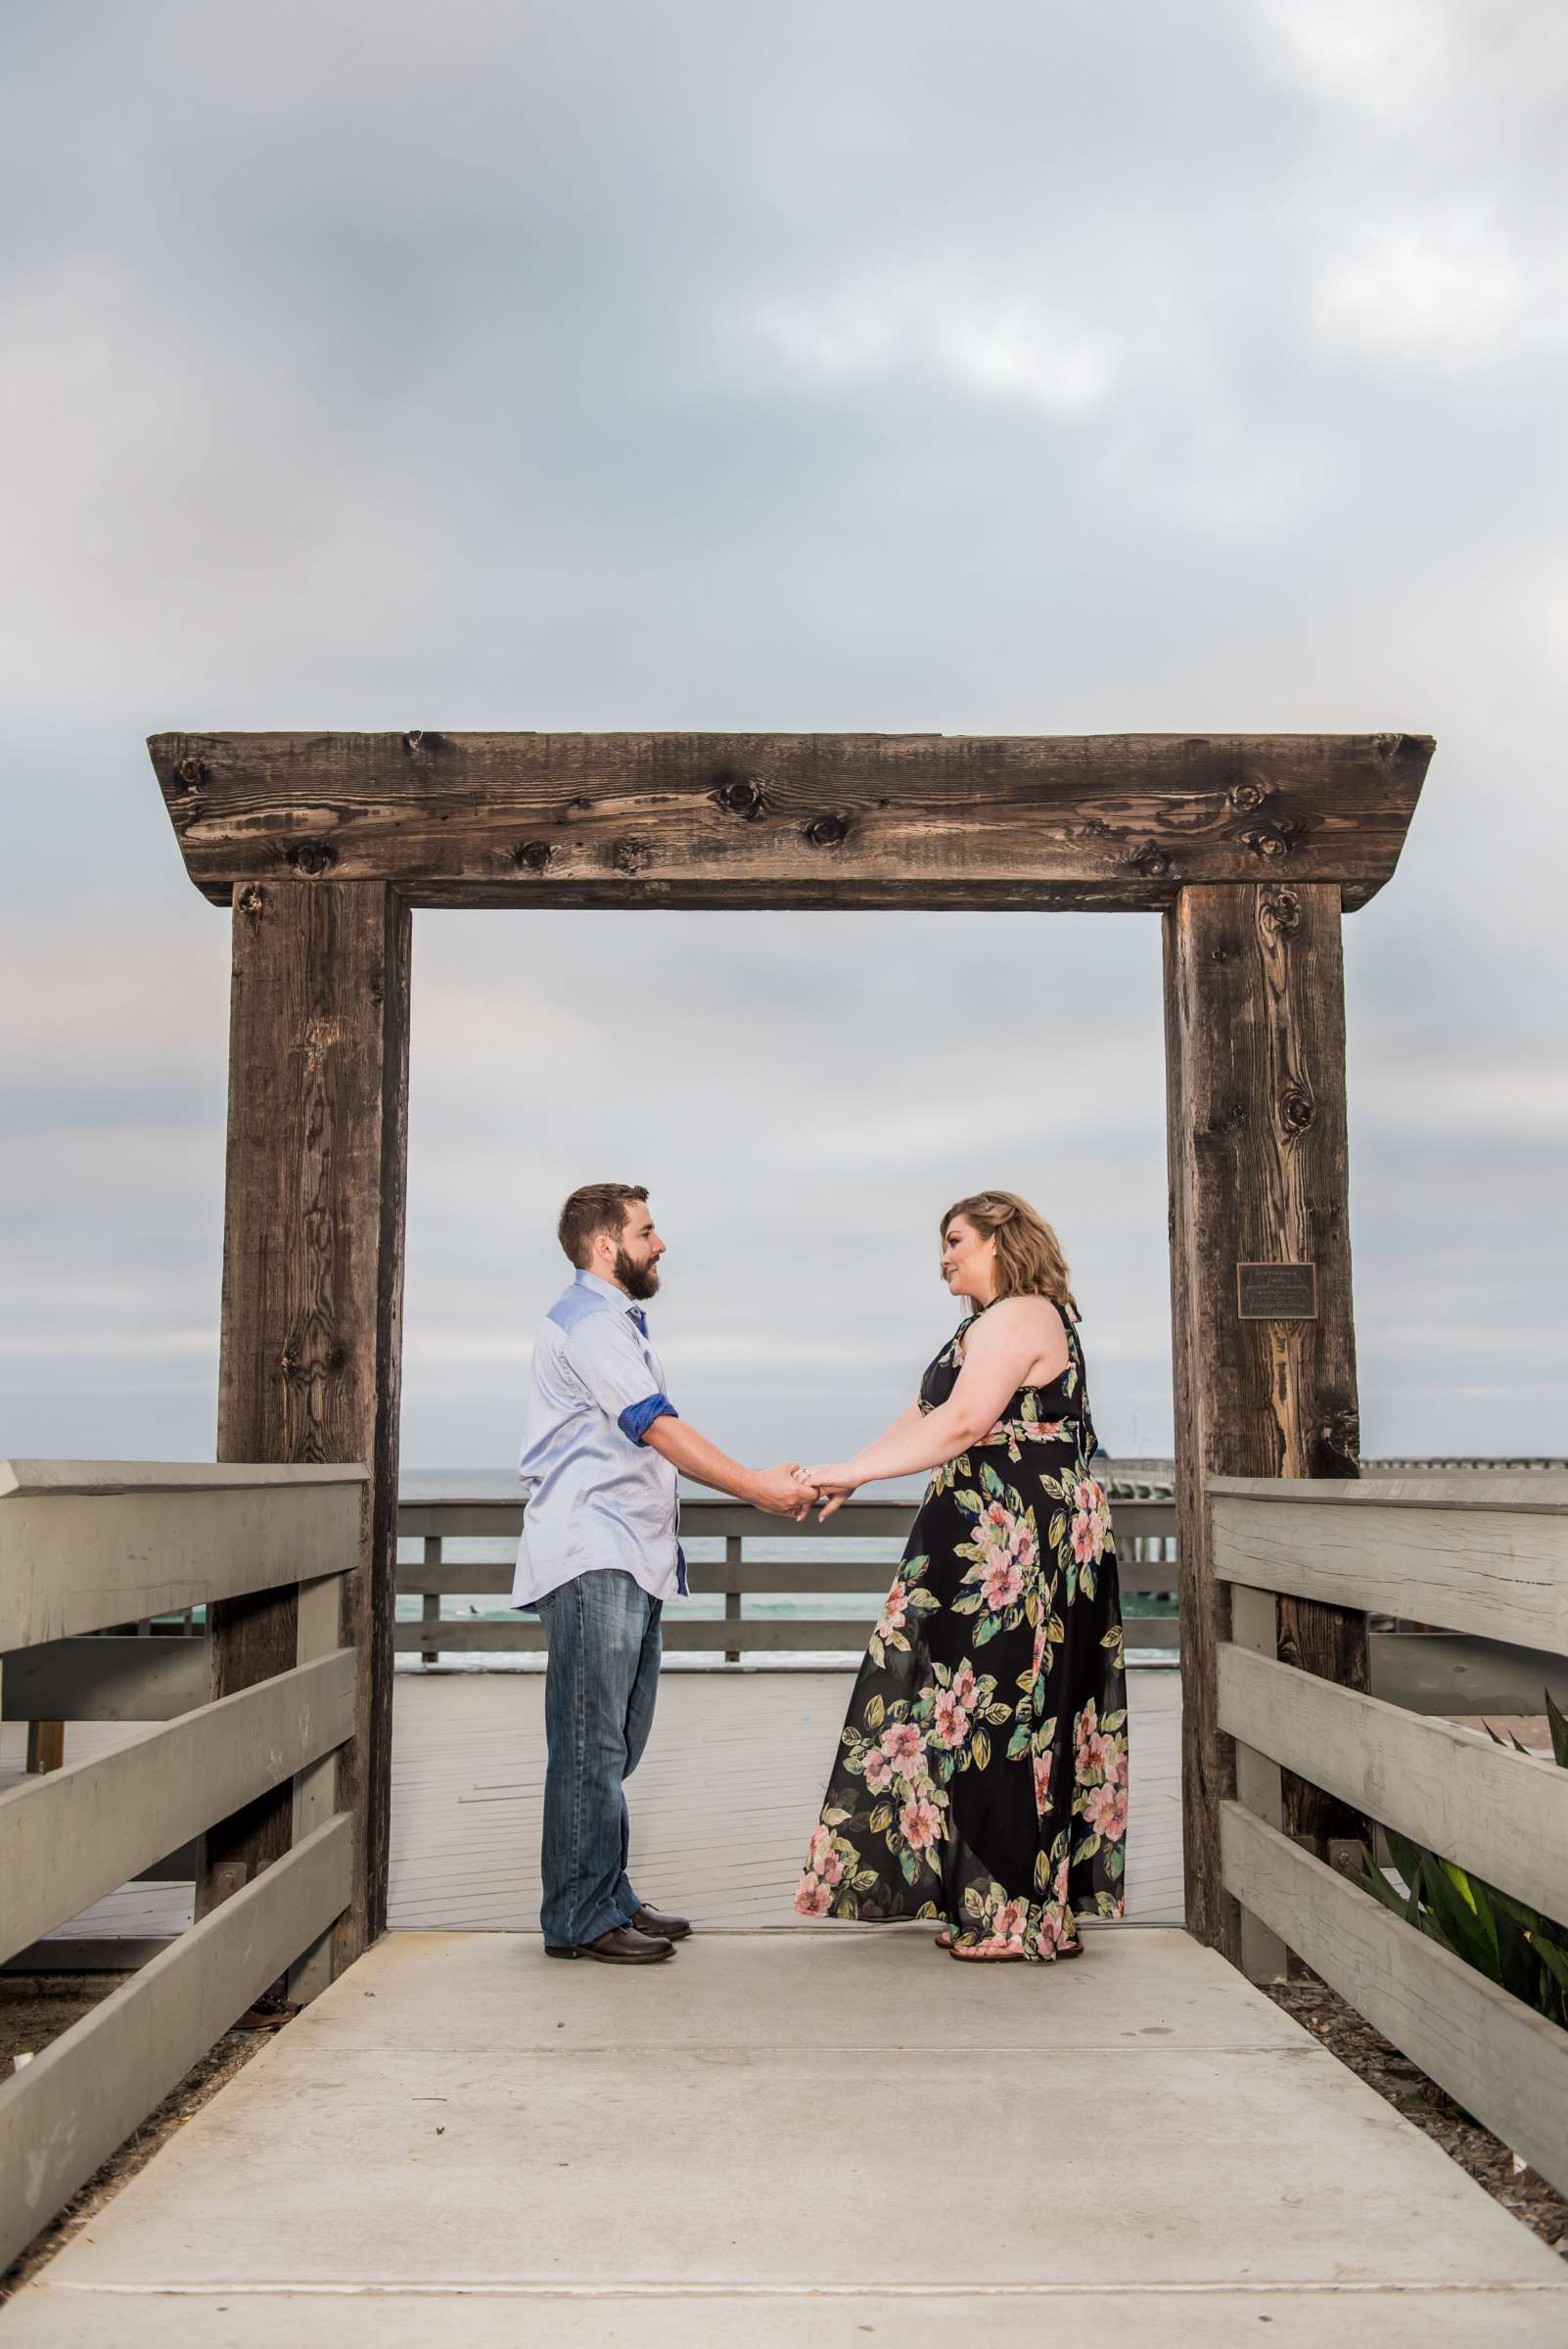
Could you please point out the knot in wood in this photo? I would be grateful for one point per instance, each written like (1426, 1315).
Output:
(193, 772)
(1297, 1108)
(1151, 860)
(413, 740)
(1271, 841)
(1245, 796)
(1281, 910)
(312, 858)
(630, 855)
(532, 857)
(251, 902)
(1341, 1433)
(739, 794)
(827, 831)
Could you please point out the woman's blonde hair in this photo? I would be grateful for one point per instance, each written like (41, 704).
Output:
(1029, 1255)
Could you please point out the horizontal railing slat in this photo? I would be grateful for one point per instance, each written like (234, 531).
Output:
(757, 1635)
(1481, 1490)
(811, 1578)
(715, 1519)
(68, 1838)
(1447, 1672)
(70, 2108)
(81, 1559)
(1501, 1814)
(105, 1679)
(1497, 2058)
(1499, 1573)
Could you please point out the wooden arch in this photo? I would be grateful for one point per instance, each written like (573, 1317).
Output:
(1247, 846)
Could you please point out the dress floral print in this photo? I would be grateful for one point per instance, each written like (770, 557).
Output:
(983, 1771)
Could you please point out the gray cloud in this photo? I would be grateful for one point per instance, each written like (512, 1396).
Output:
(1034, 369)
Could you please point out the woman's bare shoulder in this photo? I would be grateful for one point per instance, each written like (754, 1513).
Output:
(1013, 1320)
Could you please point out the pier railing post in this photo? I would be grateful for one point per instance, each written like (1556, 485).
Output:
(1262, 1335)
(312, 1307)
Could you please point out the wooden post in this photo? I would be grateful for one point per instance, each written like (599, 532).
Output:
(1255, 1072)
(1254, 1625)
(46, 1746)
(732, 1595)
(313, 1306)
(430, 1609)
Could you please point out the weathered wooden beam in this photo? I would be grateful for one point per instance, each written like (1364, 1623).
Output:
(84, 1543)
(1255, 1073)
(1485, 1554)
(1503, 1816)
(1122, 822)
(313, 1306)
(101, 1821)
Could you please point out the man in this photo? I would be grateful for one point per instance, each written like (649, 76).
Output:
(602, 1445)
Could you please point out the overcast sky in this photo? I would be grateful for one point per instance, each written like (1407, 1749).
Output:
(1022, 368)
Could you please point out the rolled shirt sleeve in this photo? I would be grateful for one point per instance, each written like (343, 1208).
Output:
(605, 1354)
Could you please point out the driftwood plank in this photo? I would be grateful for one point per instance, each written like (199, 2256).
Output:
(85, 1543)
(1255, 1074)
(312, 1300)
(1502, 1814)
(791, 819)
(1499, 2060)
(1497, 1567)
(68, 1839)
(84, 2095)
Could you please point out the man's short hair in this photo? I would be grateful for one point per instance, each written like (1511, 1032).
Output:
(597, 1207)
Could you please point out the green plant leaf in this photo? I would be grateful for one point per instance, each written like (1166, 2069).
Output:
(1559, 1726)
(1463, 1928)
(1554, 1960)
(1516, 1965)
(1372, 1879)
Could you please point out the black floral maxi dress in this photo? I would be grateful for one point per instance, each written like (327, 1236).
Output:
(983, 1771)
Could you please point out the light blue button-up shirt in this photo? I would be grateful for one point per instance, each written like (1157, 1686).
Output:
(596, 1495)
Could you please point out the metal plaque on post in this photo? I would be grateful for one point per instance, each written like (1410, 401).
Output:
(1277, 1292)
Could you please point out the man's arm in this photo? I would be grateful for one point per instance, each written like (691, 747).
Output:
(775, 1490)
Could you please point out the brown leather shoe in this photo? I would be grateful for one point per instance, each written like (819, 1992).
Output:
(665, 1928)
(623, 1945)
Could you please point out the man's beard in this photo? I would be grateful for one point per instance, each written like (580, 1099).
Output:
(638, 1280)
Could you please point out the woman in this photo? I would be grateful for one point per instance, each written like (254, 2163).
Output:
(984, 1771)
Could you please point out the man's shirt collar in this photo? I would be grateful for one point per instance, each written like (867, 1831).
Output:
(618, 1298)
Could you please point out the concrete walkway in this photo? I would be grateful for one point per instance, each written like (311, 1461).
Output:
(819, 2138)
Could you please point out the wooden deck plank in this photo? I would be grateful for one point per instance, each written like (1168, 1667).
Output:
(722, 1807)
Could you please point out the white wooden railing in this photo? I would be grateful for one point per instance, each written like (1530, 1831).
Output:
(1482, 1554)
(84, 1545)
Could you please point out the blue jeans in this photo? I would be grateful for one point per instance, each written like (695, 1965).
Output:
(603, 1633)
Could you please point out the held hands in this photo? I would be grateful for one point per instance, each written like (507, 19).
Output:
(785, 1492)
(831, 1485)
